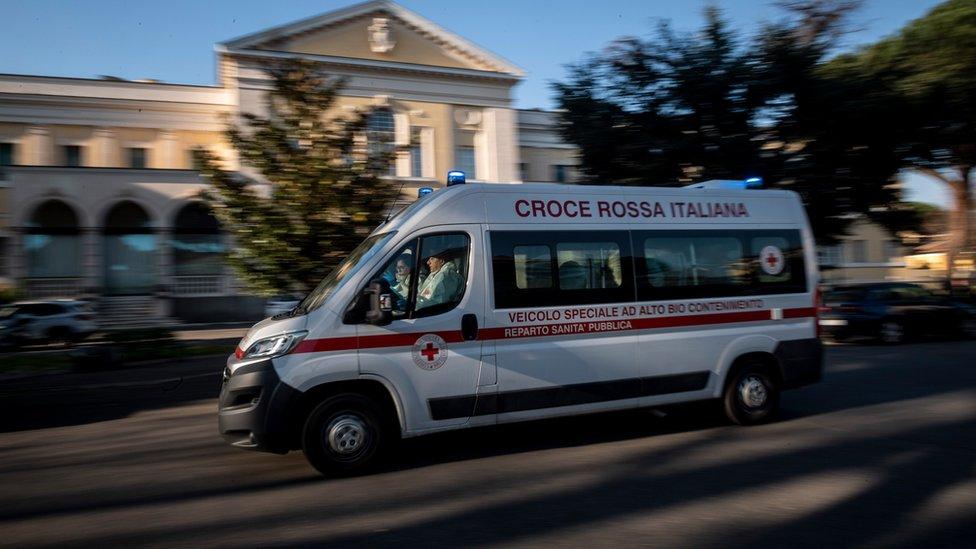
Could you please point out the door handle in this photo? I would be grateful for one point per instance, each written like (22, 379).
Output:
(469, 327)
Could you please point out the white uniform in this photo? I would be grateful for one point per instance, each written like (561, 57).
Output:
(439, 287)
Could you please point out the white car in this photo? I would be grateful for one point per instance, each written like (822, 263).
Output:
(43, 321)
(280, 304)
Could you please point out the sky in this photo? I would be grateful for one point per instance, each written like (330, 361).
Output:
(173, 41)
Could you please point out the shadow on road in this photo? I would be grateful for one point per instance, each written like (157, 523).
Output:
(864, 481)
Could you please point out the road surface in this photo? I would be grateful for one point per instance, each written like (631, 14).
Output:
(881, 454)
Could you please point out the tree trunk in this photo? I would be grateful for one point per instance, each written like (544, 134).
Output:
(960, 230)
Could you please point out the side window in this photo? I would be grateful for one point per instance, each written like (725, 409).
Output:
(442, 273)
(698, 264)
(588, 265)
(399, 272)
(552, 268)
(699, 261)
(533, 267)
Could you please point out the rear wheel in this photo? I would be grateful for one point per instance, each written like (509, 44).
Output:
(751, 395)
(345, 435)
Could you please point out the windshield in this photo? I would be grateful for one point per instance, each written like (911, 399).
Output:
(357, 258)
(8, 311)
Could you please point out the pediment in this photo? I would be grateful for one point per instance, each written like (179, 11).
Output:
(376, 31)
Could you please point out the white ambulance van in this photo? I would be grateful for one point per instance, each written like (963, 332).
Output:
(484, 303)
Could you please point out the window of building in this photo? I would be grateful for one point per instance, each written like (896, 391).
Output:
(129, 248)
(380, 135)
(465, 153)
(829, 255)
(560, 173)
(416, 154)
(72, 155)
(198, 248)
(6, 154)
(138, 157)
(697, 264)
(52, 242)
(857, 251)
(464, 161)
(524, 171)
(552, 268)
(892, 250)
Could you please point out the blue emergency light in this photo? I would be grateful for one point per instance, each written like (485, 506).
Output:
(424, 191)
(751, 183)
(455, 177)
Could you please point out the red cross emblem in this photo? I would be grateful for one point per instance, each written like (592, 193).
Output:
(772, 260)
(430, 351)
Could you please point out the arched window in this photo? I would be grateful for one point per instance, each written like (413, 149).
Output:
(52, 242)
(380, 136)
(197, 244)
(130, 250)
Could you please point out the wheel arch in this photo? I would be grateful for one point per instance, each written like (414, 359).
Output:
(371, 387)
(745, 348)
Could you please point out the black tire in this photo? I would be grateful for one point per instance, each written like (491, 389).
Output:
(746, 403)
(352, 420)
(891, 332)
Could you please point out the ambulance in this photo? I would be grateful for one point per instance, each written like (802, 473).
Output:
(483, 304)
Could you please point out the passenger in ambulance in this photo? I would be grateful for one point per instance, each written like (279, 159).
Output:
(401, 275)
(443, 284)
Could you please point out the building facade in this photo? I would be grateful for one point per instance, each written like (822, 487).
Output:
(98, 195)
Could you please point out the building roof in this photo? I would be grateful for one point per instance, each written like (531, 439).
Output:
(262, 39)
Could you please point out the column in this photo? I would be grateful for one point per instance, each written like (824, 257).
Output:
(427, 153)
(106, 148)
(164, 259)
(501, 144)
(169, 152)
(40, 147)
(91, 260)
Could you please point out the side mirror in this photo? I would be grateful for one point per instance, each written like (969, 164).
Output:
(380, 302)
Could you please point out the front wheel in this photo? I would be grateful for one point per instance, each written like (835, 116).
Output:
(751, 396)
(344, 435)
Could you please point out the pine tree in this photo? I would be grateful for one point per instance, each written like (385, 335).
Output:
(316, 193)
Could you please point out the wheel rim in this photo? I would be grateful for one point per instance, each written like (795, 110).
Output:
(347, 436)
(892, 332)
(753, 391)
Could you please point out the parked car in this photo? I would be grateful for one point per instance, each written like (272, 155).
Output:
(45, 321)
(280, 304)
(893, 312)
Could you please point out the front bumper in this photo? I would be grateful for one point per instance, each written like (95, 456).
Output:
(255, 407)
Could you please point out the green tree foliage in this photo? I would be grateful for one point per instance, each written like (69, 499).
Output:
(676, 109)
(315, 193)
(667, 109)
(928, 73)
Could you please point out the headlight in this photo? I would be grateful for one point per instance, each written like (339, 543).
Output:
(274, 346)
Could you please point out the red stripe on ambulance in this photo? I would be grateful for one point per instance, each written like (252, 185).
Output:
(549, 330)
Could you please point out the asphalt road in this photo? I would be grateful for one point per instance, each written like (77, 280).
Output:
(881, 454)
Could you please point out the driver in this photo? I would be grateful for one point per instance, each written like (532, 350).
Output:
(443, 282)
